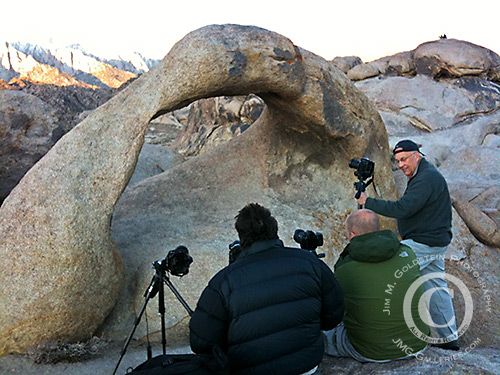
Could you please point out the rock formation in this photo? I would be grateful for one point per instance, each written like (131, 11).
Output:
(437, 59)
(54, 225)
(33, 118)
(445, 96)
(215, 120)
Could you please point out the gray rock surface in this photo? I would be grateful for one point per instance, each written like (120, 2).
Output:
(154, 160)
(421, 105)
(346, 63)
(434, 361)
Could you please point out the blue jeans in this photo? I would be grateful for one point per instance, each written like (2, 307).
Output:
(430, 260)
(337, 344)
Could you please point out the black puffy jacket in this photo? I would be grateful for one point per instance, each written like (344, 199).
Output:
(267, 310)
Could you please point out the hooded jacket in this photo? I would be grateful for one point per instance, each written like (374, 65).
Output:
(375, 272)
(267, 310)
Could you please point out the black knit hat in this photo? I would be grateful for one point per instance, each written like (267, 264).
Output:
(405, 145)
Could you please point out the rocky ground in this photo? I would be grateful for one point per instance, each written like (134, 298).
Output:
(484, 360)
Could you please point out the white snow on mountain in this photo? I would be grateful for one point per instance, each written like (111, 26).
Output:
(18, 58)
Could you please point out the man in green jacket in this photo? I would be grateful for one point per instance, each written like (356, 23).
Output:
(383, 303)
(423, 215)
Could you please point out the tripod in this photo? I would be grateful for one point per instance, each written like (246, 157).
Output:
(360, 187)
(156, 286)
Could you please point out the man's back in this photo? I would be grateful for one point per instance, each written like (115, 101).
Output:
(375, 272)
(268, 309)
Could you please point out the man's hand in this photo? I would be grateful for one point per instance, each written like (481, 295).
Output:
(362, 198)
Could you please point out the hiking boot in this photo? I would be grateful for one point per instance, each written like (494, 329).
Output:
(452, 345)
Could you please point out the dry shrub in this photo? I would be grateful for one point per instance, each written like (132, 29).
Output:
(54, 351)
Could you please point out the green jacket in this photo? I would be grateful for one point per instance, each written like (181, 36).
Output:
(375, 271)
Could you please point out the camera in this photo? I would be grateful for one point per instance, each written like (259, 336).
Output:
(308, 240)
(177, 262)
(235, 250)
(364, 171)
(364, 168)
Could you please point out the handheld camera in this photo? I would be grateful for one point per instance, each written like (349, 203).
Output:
(365, 169)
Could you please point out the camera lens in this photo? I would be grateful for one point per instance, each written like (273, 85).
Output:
(308, 239)
(178, 261)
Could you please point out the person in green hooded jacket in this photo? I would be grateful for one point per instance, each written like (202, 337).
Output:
(376, 273)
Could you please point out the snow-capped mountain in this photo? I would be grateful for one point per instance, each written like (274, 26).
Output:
(70, 65)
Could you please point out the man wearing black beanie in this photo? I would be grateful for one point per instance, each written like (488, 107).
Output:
(423, 215)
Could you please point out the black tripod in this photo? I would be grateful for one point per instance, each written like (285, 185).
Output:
(156, 286)
(364, 172)
(360, 187)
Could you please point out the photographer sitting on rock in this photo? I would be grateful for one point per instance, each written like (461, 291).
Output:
(267, 309)
(375, 271)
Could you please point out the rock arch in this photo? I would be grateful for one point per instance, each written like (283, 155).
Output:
(61, 269)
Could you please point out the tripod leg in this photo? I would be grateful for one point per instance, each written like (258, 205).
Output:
(178, 295)
(161, 310)
(151, 291)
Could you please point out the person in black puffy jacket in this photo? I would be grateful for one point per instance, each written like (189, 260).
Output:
(267, 309)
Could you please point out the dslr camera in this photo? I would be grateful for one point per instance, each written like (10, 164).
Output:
(177, 262)
(308, 240)
(365, 169)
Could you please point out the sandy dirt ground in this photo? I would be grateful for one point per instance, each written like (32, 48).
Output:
(485, 360)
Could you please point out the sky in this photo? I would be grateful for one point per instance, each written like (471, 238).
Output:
(329, 28)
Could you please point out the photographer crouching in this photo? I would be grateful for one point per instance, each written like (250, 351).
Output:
(268, 308)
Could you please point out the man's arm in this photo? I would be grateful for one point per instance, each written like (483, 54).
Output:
(209, 323)
(332, 311)
(415, 197)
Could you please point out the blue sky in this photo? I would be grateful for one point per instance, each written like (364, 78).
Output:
(365, 28)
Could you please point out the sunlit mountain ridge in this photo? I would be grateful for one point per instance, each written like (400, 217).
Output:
(68, 66)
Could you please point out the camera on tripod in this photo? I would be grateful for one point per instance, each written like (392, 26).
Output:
(177, 262)
(365, 169)
(308, 240)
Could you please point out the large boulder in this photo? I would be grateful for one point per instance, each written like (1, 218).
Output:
(443, 58)
(471, 172)
(346, 63)
(421, 105)
(399, 64)
(153, 160)
(477, 266)
(473, 182)
(61, 267)
(456, 58)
